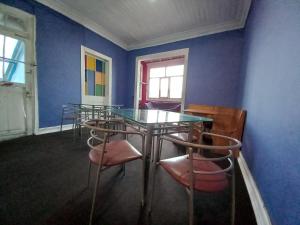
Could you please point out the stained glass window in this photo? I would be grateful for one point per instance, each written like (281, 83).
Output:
(95, 72)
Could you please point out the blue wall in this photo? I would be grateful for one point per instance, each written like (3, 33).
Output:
(271, 94)
(213, 67)
(58, 42)
(267, 85)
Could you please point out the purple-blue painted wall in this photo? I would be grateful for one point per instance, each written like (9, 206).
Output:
(271, 95)
(213, 68)
(58, 42)
(267, 85)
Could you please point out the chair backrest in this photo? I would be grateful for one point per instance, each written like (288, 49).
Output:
(69, 109)
(232, 143)
(101, 131)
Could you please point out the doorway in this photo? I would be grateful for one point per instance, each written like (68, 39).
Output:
(96, 77)
(17, 73)
(160, 80)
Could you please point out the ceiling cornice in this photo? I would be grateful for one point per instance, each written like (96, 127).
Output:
(201, 31)
(239, 23)
(198, 32)
(245, 11)
(86, 22)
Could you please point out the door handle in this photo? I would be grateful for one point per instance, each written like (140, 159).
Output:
(28, 94)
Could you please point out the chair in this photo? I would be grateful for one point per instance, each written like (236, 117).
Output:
(106, 153)
(69, 112)
(184, 133)
(207, 175)
(226, 121)
(197, 128)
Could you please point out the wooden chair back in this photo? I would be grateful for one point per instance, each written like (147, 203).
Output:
(226, 121)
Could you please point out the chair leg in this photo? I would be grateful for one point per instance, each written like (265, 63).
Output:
(61, 124)
(152, 150)
(74, 128)
(143, 183)
(89, 174)
(123, 169)
(94, 195)
(233, 195)
(159, 151)
(153, 175)
(143, 172)
(191, 207)
(191, 187)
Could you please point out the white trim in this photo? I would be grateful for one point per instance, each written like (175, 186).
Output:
(180, 36)
(245, 11)
(24, 35)
(11, 136)
(260, 211)
(168, 54)
(79, 18)
(46, 130)
(35, 83)
(108, 94)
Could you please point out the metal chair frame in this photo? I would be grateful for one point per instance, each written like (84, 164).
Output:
(234, 144)
(69, 112)
(102, 127)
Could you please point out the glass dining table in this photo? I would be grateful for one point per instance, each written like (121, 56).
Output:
(155, 123)
(94, 109)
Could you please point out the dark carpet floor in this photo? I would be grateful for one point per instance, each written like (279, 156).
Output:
(43, 181)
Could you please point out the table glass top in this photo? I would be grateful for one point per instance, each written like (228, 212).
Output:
(144, 116)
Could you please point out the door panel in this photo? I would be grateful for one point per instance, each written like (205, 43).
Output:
(17, 72)
(12, 119)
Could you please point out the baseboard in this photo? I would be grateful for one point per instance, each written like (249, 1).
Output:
(260, 211)
(46, 130)
(11, 136)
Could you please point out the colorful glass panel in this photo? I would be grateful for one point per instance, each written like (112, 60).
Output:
(94, 76)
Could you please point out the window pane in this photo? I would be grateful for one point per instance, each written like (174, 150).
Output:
(154, 88)
(157, 72)
(1, 45)
(15, 71)
(176, 87)
(14, 49)
(175, 70)
(164, 86)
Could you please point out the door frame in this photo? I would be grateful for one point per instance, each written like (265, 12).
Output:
(167, 54)
(31, 89)
(102, 56)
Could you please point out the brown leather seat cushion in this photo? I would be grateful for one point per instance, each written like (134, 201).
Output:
(178, 168)
(116, 152)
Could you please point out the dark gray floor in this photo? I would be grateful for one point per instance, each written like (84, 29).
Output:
(43, 181)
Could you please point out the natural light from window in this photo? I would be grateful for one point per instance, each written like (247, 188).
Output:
(166, 82)
(12, 67)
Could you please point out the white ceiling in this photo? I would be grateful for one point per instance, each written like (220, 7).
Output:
(140, 23)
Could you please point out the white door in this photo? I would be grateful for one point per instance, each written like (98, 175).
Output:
(96, 72)
(16, 73)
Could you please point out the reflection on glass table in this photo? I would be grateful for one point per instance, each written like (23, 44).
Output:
(157, 117)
